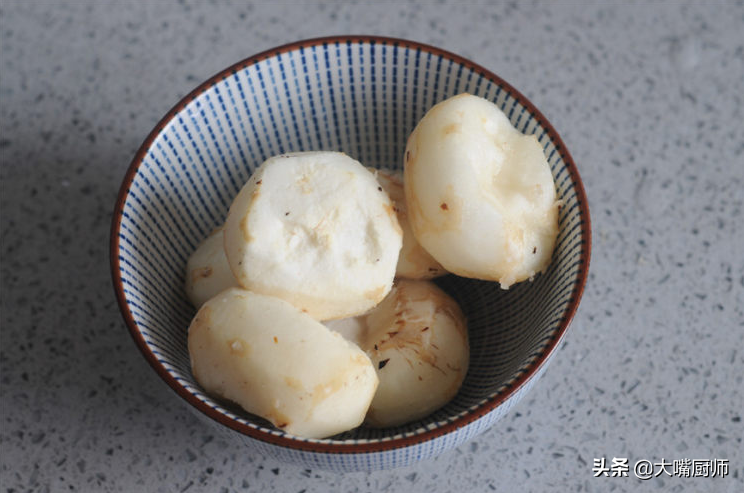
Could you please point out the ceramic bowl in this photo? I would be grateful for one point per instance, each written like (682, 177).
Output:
(361, 95)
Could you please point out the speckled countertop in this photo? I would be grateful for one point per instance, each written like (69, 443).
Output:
(648, 98)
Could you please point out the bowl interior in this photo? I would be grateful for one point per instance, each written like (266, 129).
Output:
(362, 97)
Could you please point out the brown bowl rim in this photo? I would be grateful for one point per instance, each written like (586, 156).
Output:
(372, 446)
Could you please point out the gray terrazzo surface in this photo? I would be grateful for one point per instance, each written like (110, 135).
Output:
(647, 97)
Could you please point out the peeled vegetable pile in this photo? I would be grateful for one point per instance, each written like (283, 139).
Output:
(315, 305)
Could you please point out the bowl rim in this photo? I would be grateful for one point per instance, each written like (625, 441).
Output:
(377, 445)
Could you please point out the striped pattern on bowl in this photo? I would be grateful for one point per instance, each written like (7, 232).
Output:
(362, 96)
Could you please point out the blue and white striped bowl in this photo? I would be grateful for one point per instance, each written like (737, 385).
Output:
(361, 95)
